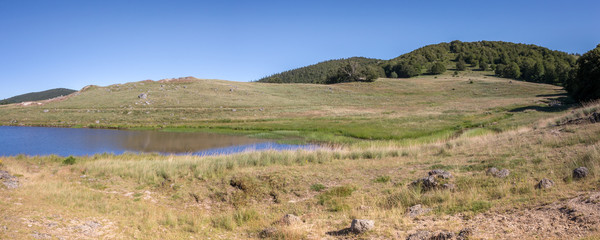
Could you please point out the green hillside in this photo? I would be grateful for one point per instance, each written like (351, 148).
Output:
(509, 60)
(38, 96)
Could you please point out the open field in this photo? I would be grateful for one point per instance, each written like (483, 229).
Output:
(237, 196)
(424, 108)
(384, 135)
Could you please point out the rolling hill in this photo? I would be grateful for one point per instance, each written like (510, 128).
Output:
(37, 96)
(509, 60)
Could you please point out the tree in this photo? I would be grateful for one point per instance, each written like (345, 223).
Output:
(437, 68)
(461, 65)
(585, 86)
(512, 70)
(393, 75)
(483, 66)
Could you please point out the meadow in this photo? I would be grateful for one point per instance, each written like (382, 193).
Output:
(381, 136)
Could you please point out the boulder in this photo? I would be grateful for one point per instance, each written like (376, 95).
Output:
(417, 210)
(442, 236)
(498, 173)
(491, 171)
(544, 184)
(440, 173)
(143, 96)
(448, 186)
(290, 219)
(580, 172)
(361, 225)
(427, 183)
(11, 182)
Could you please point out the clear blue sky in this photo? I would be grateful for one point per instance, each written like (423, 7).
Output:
(48, 44)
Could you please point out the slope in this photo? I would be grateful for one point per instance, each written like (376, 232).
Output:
(37, 96)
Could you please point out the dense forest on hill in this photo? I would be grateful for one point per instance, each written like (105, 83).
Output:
(511, 60)
(37, 96)
(323, 72)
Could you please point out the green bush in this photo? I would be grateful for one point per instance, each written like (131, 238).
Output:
(69, 161)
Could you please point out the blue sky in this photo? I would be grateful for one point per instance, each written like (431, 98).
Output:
(49, 44)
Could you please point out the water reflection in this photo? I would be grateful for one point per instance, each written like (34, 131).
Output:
(69, 141)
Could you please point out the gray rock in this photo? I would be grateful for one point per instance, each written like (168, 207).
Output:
(46, 110)
(11, 182)
(465, 234)
(594, 117)
(427, 183)
(544, 184)
(580, 172)
(268, 232)
(420, 235)
(361, 225)
(491, 171)
(290, 219)
(143, 96)
(440, 173)
(448, 186)
(442, 236)
(417, 210)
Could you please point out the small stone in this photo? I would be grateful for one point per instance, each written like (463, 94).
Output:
(580, 172)
(491, 171)
(442, 236)
(420, 235)
(290, 219)
(143, 96)
(46, 110)
(361, 225)
(267, 232)
(417, 210)
(503, 173)
(440, 173)
(427, 183)
(449, 186)
(233, 110)
(464, 234)
(544, 184)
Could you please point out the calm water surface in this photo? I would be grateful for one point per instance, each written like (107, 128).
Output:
(83, 141)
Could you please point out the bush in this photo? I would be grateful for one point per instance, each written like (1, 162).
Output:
(317, 187)
(437, 68)
(69, 161)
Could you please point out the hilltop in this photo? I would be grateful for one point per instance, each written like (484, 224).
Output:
(509, 60)
(37, 96)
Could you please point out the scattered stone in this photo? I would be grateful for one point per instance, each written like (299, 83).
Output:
(361, 225)
(233, 110)
(417, 210)
(580, 172)
(442, 236)
(440, 173)
(38, 235)
(267, 232)
(143, 96)
(11, 182)
(544, 184)
(46, 110)
(427, 183)
(465, 234)
(498, 173)
(290, 219)
(97, 121)
(420, 235)
(448, 186)
(491, 171)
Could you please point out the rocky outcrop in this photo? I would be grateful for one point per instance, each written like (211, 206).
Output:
(11, 182)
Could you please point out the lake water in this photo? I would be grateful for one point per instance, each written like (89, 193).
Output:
(83, 141)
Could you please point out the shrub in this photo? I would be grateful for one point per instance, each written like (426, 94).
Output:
(69, 161)
(317, 187)
(382, 179)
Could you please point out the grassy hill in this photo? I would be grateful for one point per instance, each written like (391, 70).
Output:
(38, 96)
(510, 60)
(423, 108)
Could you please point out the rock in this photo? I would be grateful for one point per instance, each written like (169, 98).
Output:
(491, 171)
(544, 184)
(361, 225)
(427, 183)
(11, 182)
(442, 236)
(503, 173)
(420, 235)
(580, 172)
(594, 117)
(46, 110)
(143, 96)
(448, 186)
(268, 232)
(464, 234)
(440, 173)
(417, 210)
(290, 219)
(499, 174)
